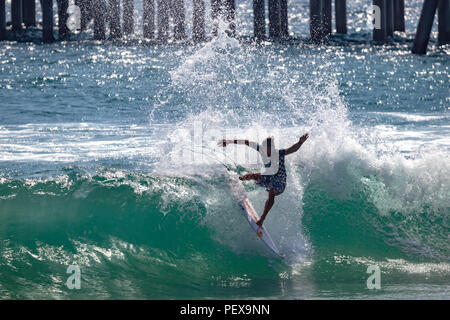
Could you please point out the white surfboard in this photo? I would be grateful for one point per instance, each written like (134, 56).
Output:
(249, 212)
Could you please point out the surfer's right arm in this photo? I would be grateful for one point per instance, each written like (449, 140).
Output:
(297, 145)
(251, 144)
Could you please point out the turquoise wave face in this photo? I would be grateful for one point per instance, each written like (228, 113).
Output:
(135, 236)
(355, 226)
(159, 240)
(88, 132)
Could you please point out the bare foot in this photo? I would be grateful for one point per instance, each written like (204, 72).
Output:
(260, 223)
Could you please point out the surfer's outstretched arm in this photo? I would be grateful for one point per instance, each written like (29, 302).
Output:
(248, 143)
(297, 146)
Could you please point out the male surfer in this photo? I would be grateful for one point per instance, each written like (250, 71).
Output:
(273, 160)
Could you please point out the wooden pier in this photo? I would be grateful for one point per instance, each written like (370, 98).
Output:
(114, 19)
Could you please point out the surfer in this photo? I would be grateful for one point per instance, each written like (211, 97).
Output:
(274, 176)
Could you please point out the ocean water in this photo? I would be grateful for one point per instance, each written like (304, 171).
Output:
(108, 162)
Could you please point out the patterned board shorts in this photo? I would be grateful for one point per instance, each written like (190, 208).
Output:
(272, 182)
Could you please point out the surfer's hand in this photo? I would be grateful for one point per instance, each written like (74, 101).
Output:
(304, 137)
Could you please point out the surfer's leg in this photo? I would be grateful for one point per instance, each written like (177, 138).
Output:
(251, 176)
(269, 204)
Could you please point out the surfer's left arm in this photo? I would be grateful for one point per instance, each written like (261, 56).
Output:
(297, 146)
(248, 143)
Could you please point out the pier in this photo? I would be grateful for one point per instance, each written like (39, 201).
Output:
(114, 19)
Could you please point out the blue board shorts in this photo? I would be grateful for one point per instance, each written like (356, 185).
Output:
(276, 181)
(272, 182)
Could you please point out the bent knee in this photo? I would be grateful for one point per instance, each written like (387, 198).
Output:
(274, 192)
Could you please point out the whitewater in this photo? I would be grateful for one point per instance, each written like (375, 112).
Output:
(109, 161)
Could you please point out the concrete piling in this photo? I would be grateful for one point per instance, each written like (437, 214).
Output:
(380, 21)
(16, 15)
(340, 7)
(224, 10)
(444, 22)
(163, 20)
(399, 15)
(2, 20)
(115, 29)
(198, 27)
(86, 13)
(216, 7)
(128, 17)
(149, 19)
(63, 29)
(259, 20)
(29, 12)
(179, 20)
(230, 15)
(99, 9)
(320, 19)
(425, 25)
(390, 18)
(274, 19)
(315, 21)
(284, 26)
(47, 20)
(326, 17)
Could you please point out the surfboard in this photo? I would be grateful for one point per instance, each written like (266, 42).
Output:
(249, 212)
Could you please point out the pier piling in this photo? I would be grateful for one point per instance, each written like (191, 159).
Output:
(399, 15)
(179, 20)
(47, 20)
(315, 21)
(85, 10)
(2, 20)
(63, 30)
(320, 19)
(340, 7)
(115, 30)
(230, 14)
(425, 25)
(16, 15)
(284, 26)
(198, 26)
(216, 7)
(99, 9)
(390, 18)
(444, 22)
(379, 29)
(259, 20)
(118, 16)
(29, 12)
(149, 19)
(223, 10)
(163, 20)
(274, 18)
(128, 17)
(326, 17)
